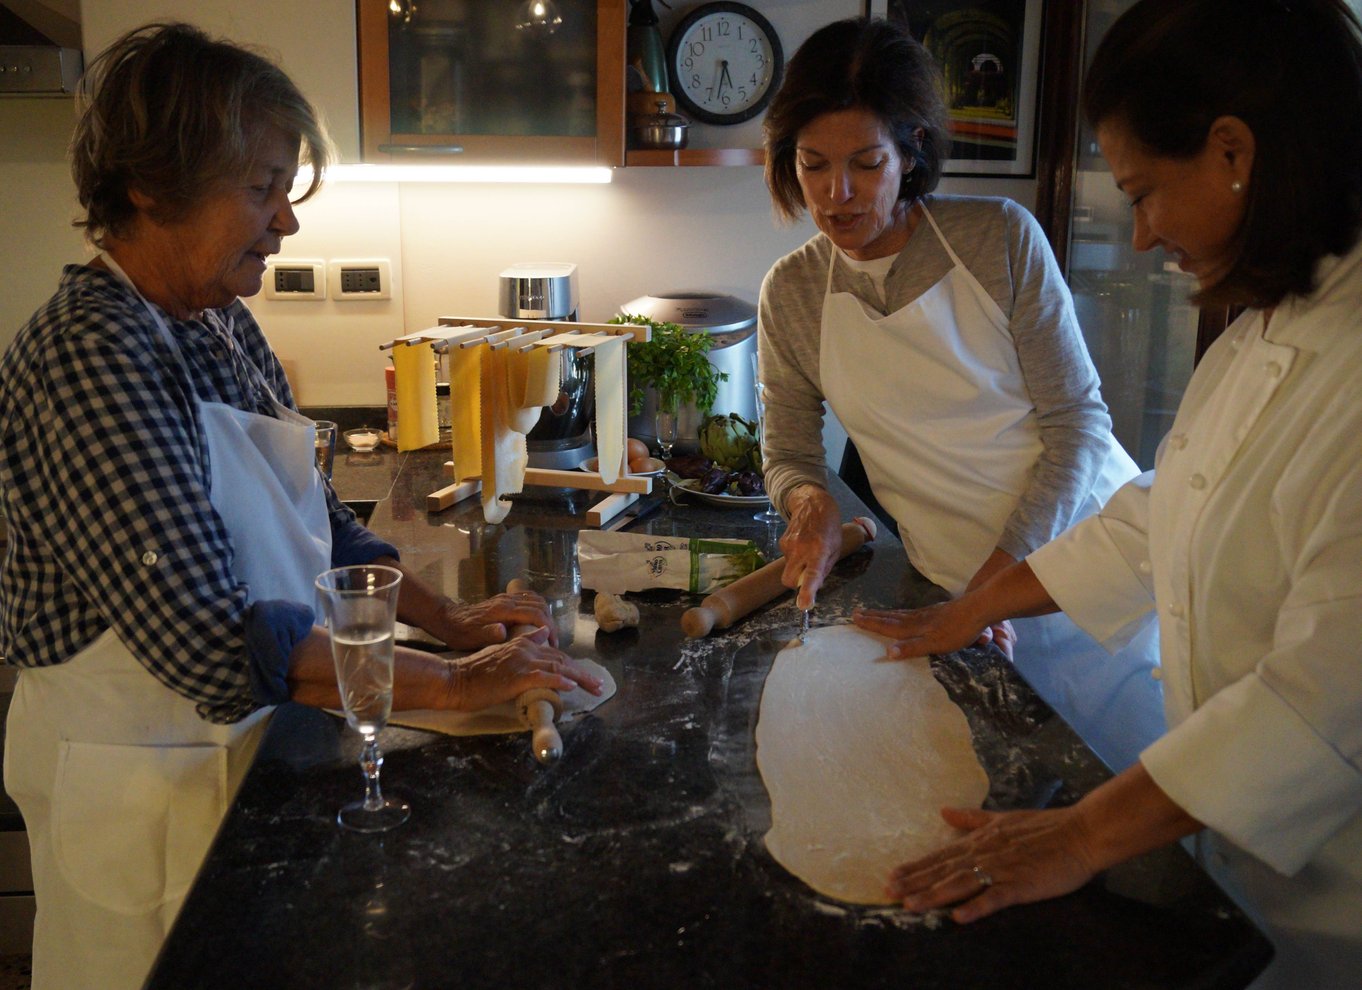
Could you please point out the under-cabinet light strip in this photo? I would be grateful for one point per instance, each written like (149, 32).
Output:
(547, 174)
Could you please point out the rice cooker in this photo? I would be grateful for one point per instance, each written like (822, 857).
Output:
(731, 324)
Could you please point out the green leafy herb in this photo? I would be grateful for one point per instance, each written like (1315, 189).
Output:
(674, 363)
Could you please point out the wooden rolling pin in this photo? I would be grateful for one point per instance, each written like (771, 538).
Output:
(751, 591)
(538, 707)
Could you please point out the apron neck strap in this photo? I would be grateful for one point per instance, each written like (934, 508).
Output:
(156, 317)
(941, 238)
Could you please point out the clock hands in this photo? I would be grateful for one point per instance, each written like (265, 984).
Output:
(724, 77)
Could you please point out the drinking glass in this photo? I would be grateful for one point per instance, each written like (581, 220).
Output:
(326, 446)
(665, 424)
(768, 515)
(360, 604)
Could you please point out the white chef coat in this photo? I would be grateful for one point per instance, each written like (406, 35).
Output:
(949, 454)
(121, 784)
(1249, 539)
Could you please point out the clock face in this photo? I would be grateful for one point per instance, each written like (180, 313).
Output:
(725, 60)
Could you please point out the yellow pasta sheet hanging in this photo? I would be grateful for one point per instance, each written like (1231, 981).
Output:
(465, 408)
(504, 452)
(418, 422)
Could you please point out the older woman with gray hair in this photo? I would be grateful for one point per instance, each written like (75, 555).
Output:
(166, 519)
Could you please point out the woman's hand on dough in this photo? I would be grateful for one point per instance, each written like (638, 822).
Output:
(935, 629)
(1000, 634)
(471, 626)
(811, 542)
(501, 672)
(1007, 858)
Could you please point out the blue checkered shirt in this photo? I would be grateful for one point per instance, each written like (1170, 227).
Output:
(104, 476)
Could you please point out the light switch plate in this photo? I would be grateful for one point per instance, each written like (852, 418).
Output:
(295, 279)
(360, 278)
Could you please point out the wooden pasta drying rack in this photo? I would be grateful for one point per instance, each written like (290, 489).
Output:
(464, 332)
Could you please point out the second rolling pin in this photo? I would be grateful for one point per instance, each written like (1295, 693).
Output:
(750, 592)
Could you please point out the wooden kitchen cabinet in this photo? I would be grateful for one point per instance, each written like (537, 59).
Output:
(459, 81)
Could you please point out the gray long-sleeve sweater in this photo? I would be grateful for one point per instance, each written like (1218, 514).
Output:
(1003, 246)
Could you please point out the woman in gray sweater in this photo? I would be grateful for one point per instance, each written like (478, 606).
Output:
(940, 332)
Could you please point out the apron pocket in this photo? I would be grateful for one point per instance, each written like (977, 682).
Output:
(131, 824)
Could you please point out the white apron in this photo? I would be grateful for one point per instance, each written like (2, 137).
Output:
(121, 784)
(948, 441)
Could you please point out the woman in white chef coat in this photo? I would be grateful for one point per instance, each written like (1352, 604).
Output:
(166, 518)
(1235, 132)
(941, 333)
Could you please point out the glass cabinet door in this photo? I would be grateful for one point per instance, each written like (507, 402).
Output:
(1139, 327)
(492, 81)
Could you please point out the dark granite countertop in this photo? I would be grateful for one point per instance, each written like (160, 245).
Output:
(637, 861)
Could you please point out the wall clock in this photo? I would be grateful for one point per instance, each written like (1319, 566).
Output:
(725, 62)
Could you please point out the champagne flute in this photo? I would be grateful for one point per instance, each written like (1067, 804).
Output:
(360, 604)
(768, 515)
(666, 424)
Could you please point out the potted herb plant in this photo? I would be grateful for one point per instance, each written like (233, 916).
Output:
(675, 364)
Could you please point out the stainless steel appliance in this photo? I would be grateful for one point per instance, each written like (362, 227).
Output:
(731, 324)
(548, 291)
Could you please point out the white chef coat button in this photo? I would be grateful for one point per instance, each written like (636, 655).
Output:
(1197, 481)
(1273, 369)
(1177, 441)
(150, 557)
(1145, 567)
(1156, 673)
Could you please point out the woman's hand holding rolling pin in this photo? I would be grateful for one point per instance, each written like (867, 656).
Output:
(502, 672)
(470, 626)
(811, 542)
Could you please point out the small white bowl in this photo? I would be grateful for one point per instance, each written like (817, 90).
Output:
(363, 439)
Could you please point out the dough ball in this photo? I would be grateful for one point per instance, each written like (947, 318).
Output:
(613, 613)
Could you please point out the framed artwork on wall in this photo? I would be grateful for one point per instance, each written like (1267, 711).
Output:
(989, 51)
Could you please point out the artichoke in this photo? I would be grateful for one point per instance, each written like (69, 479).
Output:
(729, 441)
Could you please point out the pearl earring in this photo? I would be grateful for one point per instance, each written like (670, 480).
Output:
(1236, 186)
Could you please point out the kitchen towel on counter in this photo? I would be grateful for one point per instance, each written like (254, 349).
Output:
(620, 562)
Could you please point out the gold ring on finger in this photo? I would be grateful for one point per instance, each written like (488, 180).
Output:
(985, 879)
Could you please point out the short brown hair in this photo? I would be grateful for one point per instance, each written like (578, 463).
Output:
(169, 111)
(1292, 71)
(865, 63)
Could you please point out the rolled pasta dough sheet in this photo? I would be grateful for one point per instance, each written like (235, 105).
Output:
(859, 755)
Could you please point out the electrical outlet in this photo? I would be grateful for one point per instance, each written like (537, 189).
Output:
(295, 280)
(360, 278)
